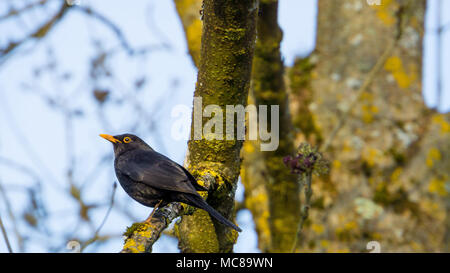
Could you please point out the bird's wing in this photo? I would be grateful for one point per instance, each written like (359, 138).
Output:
(158, 171)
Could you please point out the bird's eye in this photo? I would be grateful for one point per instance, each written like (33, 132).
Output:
(126, 139)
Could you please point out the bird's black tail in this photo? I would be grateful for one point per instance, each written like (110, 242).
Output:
(198, 201)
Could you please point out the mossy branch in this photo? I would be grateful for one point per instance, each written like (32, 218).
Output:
(189, 12)
(276, 190)
(224, 70)
(140, 237)
(223, 79)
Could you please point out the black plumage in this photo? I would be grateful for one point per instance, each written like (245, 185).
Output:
(154, 180)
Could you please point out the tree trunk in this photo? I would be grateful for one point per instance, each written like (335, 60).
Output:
(363, 94)
(225, 62)
(359, 97)
(271, 191)
(190, 13)
(223, 79)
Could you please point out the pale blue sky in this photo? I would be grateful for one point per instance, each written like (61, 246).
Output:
(33, 133)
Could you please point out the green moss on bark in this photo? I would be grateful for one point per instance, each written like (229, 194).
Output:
(300, 77)
(223, 79)
(269, 89)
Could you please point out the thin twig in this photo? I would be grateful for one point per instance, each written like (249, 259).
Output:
(19, 167)
(97, 231)
(109, 23)
(124, 43)
(305, 183)
(5, 236)
(9, 210)
(25, 144)
(38, 34)
(17, 12)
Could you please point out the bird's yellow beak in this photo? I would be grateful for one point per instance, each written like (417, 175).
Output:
(110, 138)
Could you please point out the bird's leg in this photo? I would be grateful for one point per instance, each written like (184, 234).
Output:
(149, 218)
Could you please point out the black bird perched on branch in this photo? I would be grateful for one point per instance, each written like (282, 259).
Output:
(154, 180)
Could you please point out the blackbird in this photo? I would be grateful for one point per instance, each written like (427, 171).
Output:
(154, 180)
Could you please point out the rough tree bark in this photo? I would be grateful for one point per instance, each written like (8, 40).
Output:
(271, 191)
(223, 79)
(390, 152)
(360, 93)
(190, 13)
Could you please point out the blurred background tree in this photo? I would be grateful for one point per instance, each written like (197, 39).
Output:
(357, 97)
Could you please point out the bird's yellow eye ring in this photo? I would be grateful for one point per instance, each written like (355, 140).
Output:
(126, 140)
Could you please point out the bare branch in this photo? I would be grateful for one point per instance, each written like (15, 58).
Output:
(16, 12)
(37, 34)
(304, 182)
(5, 235)
(9, 210)
(95, 237)
(117, 31)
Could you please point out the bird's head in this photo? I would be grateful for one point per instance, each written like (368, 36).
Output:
(126, 142)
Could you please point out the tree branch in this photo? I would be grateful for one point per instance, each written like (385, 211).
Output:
(275, 195)
(16, 12)
(140, 237)
(37, 34)
(228, 40)
(110, 24)
(190, 14)
(5, 235)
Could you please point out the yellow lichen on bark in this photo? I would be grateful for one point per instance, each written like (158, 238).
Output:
(136, 235)
(395, 66)
(268, 183)
(189, 12)
(391, 154)
(223, 79)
